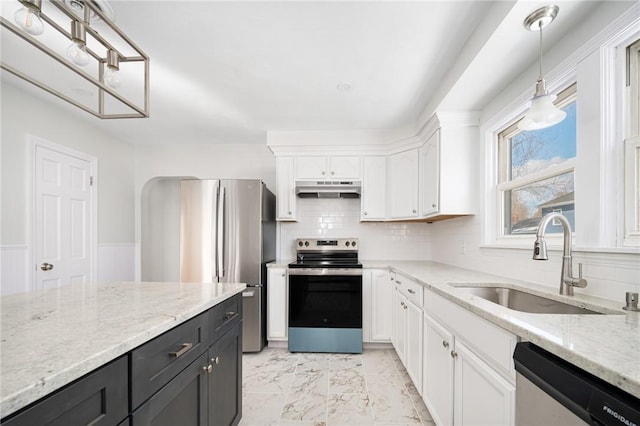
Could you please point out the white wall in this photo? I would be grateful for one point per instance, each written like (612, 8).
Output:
(609, 271)
(328, 217)
(24, 114)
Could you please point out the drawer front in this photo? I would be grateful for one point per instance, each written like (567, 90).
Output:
(410, 289)
(182, 402)
(492, 343)
(224, 316)
(155, 363)
(100, 398)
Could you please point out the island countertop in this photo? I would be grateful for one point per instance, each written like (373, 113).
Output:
(52, 337)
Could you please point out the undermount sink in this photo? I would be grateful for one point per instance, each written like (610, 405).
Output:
(522, 301)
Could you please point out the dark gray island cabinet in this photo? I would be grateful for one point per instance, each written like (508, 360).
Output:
(190, 375)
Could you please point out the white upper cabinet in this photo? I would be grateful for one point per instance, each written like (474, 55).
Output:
(449, 175)
(402, 189)
(430, 175)
(374, 188)
(285, 189)
(328, 168)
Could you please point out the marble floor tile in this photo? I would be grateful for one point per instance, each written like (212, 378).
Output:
(349, 409)
(348, 380)
(379, 362)
(391, 401)
(270, 381)
(306, 382)
(305, 407)
(318, 389)
(262, 409)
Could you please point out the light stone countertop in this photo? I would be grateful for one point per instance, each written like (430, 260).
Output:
(280, 263)
(607, 346)
(52, 337)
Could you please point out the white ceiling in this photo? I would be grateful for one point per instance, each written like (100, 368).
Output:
(227, 72)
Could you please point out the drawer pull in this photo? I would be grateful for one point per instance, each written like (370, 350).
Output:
(445, 344)
(411, 291)
(185, 348)
(229, 315)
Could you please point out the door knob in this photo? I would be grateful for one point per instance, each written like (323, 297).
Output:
(46, 266)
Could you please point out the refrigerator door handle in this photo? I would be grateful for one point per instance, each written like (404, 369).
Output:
(221, 225)
(214, 240)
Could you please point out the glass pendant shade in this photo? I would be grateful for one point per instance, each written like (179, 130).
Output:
(542, 113)
(29, 21)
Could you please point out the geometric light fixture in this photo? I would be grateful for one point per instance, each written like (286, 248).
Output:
(96, 59)
(542, 113)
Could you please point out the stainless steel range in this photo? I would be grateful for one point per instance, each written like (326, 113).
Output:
(325, 296)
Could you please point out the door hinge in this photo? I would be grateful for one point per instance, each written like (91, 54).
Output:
(90, 180)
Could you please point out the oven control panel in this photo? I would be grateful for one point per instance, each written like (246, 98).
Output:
(317, 244)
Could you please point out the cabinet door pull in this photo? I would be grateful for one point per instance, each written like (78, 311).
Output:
(207, 368)
(216, 360)
(399, 282)
(445, 344)
(185, 348)
(411, 291)
(454, 354)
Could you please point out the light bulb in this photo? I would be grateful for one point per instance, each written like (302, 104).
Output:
(77, 52)
(112, 77)
(542, 113)
(29, 21)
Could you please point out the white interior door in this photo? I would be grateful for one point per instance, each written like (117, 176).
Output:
(63, 218)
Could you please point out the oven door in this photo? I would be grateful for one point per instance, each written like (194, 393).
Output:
(325, 298)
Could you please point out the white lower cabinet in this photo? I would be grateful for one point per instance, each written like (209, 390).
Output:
(399, 335)
(376, 306)
(481, 395)
(407, 324)
(437, 379)
(414, 344)
(277, 304)
(468, 376)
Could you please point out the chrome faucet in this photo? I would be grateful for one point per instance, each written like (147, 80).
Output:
(567, 280)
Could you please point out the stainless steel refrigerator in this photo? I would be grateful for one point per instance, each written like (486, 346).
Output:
(227, 233)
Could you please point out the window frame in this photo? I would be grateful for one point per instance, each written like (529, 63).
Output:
(565, 97)
(631, 146)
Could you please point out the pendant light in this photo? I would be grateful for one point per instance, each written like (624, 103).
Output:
(28, 18)
(77, 51)
(112, 73)
(542, 113)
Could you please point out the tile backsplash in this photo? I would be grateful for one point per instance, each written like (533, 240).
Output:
(340, 218)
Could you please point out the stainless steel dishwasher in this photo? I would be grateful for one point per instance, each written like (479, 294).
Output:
(553, 392)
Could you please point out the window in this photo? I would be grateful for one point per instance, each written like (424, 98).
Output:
(536, 172)
(632, 148)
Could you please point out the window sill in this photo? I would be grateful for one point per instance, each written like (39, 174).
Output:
(555, 244)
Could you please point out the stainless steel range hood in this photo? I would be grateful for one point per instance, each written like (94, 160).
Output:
(328, 189)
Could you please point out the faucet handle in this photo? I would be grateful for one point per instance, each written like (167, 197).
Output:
(580, 270)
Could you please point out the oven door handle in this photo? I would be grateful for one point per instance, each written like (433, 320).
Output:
(326, 271)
